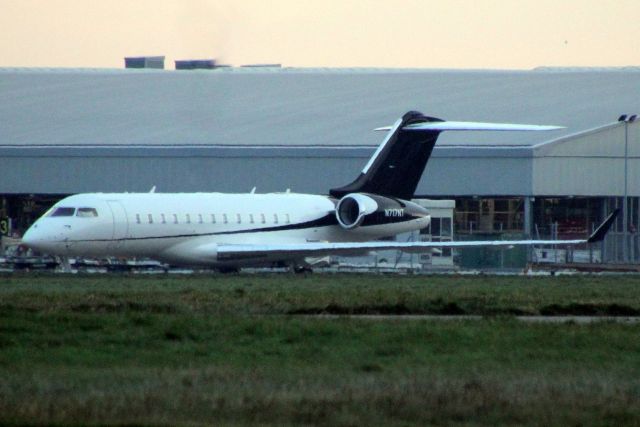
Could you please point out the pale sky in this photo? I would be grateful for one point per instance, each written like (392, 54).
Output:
(514, 34)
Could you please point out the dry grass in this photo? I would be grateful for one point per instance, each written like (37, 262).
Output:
(211, 396)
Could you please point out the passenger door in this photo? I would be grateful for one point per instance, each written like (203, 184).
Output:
(120, 224)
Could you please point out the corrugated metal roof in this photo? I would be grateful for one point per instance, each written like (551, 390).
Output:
(299, 107)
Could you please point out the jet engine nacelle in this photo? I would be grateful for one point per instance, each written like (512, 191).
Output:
(361, 209)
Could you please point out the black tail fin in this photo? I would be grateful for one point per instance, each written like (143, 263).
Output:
(396, 167)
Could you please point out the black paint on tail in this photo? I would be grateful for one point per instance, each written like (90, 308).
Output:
(398, 164)
(603, 229)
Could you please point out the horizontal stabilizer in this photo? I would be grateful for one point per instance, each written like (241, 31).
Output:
(442, 126)
(396, 167)
(467, 126)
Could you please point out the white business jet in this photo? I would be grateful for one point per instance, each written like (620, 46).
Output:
(230, 231)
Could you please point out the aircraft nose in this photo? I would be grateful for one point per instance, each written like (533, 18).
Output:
(35, 238)
(29, 238)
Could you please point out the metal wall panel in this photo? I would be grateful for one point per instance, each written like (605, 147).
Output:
(444, 176)
(578, 176)
(482, 176)
(75, 175)
(633, 137)
(606, 141)
(589, 164)
(289, 106)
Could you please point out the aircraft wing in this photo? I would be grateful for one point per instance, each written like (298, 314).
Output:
(229, 252)
(467, 126)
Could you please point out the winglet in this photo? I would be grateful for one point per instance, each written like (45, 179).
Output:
(603, 229)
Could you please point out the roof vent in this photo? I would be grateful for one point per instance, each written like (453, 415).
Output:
(196, 64)
(156, 62)
(262, 66)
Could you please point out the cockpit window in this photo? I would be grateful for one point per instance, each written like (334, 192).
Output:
(87, 212)
(63, 212)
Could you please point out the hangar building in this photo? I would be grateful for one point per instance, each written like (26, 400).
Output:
(66, 131)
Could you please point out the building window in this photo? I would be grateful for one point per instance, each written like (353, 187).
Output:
(445, 252)
(445, 227)
(427, 229)
(435, 226)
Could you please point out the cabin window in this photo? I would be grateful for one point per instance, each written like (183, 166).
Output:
(150, 218)
(239, 218)
(64, 212)
(199, 218)
(251, 218)
(188, 218)
(275, 218)
(87, 212)
(287, 219)
(213, 218)
(137, 218)
(263, 219)
(163, 219)
(175, 218)
(224, 218)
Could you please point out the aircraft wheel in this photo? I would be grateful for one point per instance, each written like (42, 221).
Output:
(300, 269)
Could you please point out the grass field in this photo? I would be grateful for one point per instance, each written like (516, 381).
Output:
(234, 350)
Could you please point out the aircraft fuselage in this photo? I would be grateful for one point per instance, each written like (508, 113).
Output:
(171, 227)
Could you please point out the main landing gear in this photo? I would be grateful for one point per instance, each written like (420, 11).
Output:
(228, 270)
(302, 269)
